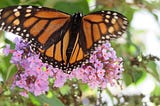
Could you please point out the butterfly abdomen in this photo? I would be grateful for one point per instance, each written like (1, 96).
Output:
(75, 25)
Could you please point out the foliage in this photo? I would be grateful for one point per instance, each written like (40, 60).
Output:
(137, 66)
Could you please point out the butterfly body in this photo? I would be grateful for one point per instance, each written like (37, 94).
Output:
(74, 28)
(65, 41)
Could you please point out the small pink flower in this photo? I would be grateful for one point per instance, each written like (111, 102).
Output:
(61, 78)
(6, 50)
(100, 73)
(24, 93)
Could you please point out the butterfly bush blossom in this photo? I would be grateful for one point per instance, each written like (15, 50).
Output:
(34, 76)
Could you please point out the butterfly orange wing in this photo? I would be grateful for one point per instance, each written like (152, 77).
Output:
(100, 26)
(48, 32)
(35, 24)
(46, 29)
(96, 29)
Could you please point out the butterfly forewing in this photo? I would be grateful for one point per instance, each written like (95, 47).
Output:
(35, 24)
(101, 26)
(45, 28)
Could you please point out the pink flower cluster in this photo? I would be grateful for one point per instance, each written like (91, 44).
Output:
(103, 68)
(33, 75)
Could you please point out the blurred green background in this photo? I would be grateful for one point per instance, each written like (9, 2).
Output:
(139, 47)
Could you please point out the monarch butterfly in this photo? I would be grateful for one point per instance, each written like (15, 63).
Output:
(65, 41)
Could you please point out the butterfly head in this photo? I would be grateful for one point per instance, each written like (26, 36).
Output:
(77, 16)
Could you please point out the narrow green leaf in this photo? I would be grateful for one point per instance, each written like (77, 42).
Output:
(54, 101)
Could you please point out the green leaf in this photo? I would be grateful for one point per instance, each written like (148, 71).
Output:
(152, 65)
(54, 101)
(5, 3)
(65, 90)
(152, 69)
(84, 87)
(138, 76)
(35, 100)
(73, 7)
(156, 91)
(32, 2)
(127, 78)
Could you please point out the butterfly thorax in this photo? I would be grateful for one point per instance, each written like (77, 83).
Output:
(75, 25)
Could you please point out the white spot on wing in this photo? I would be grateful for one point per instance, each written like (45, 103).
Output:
(124, 27)
(115, 17)
(29, 7)
(18, 29)
(15, 10)
(24, 30)
(19, 7)
(115, 14)
(22, 34)
(119, 33)
(108, 12)
(125, 22)
(9, 27)
(3, 23)
(27, 35)
(40, 7)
